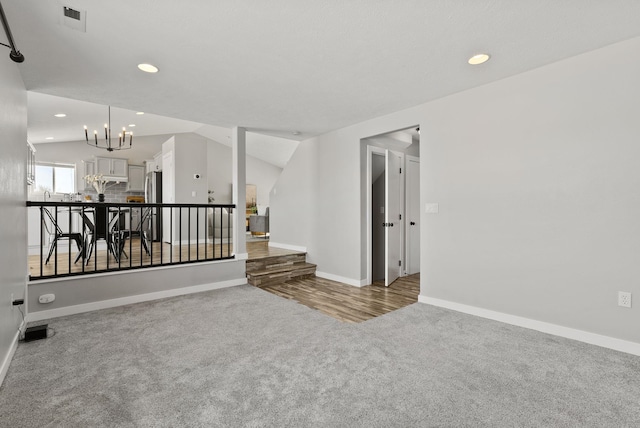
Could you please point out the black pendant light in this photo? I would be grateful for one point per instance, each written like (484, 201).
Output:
(15, 54)
(106, 143)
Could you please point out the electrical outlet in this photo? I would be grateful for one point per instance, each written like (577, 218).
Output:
(432, 208)
(624, 299)
(47, 298)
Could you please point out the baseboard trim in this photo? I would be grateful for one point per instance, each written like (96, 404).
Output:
(121, 301)
(288, 247)
(344, 280)
(241, 256)
(544, 327)
(4, 368)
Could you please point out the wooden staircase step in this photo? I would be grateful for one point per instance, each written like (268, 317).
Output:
(255, 265)
(281, 273)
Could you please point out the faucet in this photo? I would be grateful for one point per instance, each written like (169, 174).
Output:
(47, 193)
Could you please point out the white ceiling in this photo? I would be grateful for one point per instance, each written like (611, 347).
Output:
(298, 65)
(43, 124)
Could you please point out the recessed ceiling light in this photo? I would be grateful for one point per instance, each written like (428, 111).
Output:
(131, 125)
(148, 68)
(479, 59)
(49, 138)
(139, 112)
(60, 115)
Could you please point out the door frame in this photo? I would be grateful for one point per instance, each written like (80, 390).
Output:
(371, 150)
(407, 159)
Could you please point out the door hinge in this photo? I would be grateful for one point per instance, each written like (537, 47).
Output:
(399, 262)
(400, 170)
(400, 215)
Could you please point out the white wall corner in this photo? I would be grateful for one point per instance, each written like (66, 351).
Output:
(544, 327)
(342, 279)
(4, 368)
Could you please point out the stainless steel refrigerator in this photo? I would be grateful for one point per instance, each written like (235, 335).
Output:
(153, 195)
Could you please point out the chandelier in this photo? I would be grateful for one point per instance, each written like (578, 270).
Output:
(107, 143)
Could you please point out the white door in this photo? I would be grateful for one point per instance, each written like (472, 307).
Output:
(393, 229)
(413, 216)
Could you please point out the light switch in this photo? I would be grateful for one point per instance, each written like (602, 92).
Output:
(431, 208)
(193, 193)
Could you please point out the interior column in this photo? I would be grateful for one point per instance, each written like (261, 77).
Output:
(238, 147)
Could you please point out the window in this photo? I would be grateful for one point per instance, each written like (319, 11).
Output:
(55, 178)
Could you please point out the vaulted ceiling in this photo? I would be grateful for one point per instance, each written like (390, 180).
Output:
(283, 66)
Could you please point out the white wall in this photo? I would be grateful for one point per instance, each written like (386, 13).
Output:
(190, 158)
(73, 151)
(293, 212)
(13, 227)
(539, 189)
(219, 161)
(538, 185)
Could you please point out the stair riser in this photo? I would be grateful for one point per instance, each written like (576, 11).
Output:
(262, 264)
(278, 269)
(265, 280)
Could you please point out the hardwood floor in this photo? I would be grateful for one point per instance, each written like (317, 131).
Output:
(261, 249)
(341, 301)
(135, 257)
(348, 303)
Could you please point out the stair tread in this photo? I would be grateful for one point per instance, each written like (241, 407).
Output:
(280, 269)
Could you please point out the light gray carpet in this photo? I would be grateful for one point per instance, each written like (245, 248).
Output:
(243, 357)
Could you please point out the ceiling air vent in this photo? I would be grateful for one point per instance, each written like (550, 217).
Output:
(74, 19)
(71, 13)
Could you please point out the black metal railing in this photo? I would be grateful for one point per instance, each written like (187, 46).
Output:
(77, 238)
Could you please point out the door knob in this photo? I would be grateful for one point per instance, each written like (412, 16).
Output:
(413, 223)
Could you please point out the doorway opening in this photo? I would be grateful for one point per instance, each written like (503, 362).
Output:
(392, 205)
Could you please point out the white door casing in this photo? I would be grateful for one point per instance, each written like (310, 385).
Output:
(412, 219)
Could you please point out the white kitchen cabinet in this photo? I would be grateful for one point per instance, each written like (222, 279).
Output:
(89, 169)
(154, 164)
(157, 159)
(120, 168)
(150, 165)
(112, 168)
(136, 178)
(33, 228)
